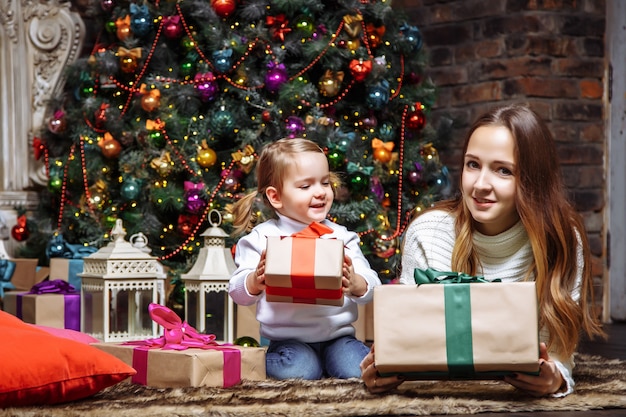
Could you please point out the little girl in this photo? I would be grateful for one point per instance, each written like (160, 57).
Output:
(306, 341)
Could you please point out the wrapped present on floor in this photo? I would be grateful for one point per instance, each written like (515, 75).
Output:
(67, 270)
(182, 357)
(7, 269)
(303, 268)
(66, 259)
(49, 303)
(26, 273)
(456, 327)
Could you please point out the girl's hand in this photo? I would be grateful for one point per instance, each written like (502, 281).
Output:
(352, 283)
(372, 379)
(255, 282)
(547, 382)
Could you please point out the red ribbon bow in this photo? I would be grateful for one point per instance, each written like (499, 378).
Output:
(314, 230)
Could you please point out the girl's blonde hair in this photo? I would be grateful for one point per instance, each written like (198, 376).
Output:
(275, 159)
(553, 225)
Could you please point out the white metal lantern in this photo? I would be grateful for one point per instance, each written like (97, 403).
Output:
(119, 281)
(208, 307)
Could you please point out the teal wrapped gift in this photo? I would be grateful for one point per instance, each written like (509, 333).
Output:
(7, 268)
(456, 327)
(67, 270)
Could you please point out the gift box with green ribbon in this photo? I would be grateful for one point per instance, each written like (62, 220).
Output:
(304, 268)
(455, 326)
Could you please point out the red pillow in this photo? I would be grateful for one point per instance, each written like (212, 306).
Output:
(37, 367)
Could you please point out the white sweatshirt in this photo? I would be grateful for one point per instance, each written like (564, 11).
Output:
(304, 322)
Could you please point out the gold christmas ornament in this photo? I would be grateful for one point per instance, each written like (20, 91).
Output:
(206, 157)
(330, 83)
(245, 158)
(352, 25)
(163, 164)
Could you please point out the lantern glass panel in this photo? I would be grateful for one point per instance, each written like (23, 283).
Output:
(129, 312)
(212, 320)
(92, 309)
(215, 314)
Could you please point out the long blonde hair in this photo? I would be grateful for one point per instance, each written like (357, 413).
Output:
(555, 229)
(271, 168)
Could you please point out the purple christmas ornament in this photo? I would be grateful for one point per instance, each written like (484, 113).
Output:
(295, 126)
(206, 86)
(275, 77)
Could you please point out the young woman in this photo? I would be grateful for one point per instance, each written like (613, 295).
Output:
(511, 220)
(306, 341)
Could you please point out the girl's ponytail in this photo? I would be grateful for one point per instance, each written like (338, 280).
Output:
(243, 216)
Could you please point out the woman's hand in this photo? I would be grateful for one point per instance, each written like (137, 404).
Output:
(255, 282)
(352, 283)
(372, 379)
(547, 382)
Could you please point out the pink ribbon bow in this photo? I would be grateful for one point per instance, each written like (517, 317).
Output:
(178, 334)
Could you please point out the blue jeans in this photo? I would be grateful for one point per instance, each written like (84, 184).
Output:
(338, 358)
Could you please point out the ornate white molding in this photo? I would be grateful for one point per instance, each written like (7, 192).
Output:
(38, 39)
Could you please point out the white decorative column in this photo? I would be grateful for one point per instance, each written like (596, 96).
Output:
(37, 40)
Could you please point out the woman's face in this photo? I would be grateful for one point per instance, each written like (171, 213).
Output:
(488, 180)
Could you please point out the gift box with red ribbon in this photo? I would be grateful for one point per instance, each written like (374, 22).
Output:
(183, 357)
(50, 303)
(304, 268)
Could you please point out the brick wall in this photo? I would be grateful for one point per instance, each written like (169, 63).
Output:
(549, 53)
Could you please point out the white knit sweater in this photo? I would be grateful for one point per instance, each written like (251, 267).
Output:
(429, 241)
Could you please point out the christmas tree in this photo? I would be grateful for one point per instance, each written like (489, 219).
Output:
(163, 120)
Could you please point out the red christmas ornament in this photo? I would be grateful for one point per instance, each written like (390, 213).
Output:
(266, 116)
(38, 148)
(360, 69)
(416, 120)
(224, 8)
(110, 147)
(374, 34)
(278, 26)
(186, 224)
(100, 115)
(20, 231)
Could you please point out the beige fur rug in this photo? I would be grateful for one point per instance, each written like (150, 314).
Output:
(601, 384)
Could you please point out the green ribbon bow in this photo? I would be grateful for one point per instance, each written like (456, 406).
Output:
(457, 299)
(432, 276)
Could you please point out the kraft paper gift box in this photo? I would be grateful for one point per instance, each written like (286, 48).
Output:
(27, 273)
(60, 309)
(221, 366)
(183, 357)
(67, 270)
(303, 268)
(456, 331)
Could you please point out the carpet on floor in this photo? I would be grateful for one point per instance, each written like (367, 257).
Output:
(600, 384)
